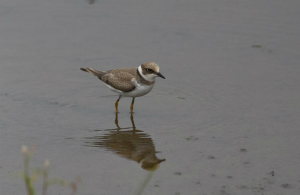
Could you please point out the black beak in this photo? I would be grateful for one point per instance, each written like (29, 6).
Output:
(160, 75)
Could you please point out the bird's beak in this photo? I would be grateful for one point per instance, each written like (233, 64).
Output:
(160, 75)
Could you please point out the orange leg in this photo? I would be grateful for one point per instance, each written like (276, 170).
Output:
(117, 103)
(132, 121)
(131, 107)
(117, 121)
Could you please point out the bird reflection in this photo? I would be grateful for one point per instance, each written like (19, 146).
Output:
(129, 143)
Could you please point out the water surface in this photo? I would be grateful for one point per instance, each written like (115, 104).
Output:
(224, 121)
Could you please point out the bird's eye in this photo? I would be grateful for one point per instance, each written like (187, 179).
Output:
(149, 70)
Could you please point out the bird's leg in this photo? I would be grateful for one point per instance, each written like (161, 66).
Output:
(131, 107)
(117, 121)
(117, 102)
(132, 121)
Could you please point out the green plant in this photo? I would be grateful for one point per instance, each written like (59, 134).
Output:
(30, 179)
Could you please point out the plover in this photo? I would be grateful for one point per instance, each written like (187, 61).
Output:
(129, 82)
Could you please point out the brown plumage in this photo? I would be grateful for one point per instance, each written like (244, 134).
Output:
(120, 79)
(131, 82)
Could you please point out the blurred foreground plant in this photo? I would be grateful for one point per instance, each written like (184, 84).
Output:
(31, 179)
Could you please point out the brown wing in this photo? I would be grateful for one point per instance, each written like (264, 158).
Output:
(120, 79)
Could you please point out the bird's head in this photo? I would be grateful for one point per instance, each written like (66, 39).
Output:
(150, 70)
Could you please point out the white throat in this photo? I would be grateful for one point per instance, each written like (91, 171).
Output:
(148, 77)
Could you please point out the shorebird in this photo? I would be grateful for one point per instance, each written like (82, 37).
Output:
(129, 82)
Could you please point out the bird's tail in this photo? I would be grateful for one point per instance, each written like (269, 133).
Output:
(83, 69)
(94, 72)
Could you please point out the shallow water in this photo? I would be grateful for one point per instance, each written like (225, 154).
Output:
(225, 119)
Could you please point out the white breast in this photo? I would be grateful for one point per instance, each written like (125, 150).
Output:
(140, 90)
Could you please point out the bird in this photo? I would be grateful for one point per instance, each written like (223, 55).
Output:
(128, 82)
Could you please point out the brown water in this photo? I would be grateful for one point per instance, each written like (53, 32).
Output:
(225, 119)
